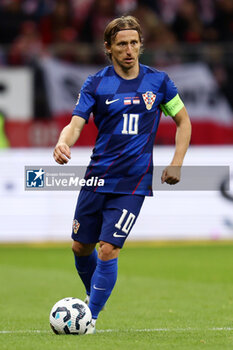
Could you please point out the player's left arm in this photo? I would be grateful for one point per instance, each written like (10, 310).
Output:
(171, 174)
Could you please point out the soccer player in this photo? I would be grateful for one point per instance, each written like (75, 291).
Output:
(127, 99)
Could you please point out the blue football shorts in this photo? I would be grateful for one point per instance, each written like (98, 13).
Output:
(105, 217)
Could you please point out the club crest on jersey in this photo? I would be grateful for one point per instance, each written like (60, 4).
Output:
(149, 99)
(76, 226)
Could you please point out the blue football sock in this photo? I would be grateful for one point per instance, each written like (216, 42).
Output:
(85, 266)
(102, 283)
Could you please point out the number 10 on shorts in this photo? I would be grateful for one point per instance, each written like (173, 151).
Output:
(128, 223)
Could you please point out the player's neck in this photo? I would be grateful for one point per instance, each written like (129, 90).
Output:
(127, 73)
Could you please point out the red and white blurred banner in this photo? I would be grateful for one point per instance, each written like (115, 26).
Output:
(210, 112)
(16, 93)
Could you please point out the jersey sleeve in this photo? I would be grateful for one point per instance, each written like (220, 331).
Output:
(86, 100)
(172, 102)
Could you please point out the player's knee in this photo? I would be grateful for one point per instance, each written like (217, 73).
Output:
(81, 249)
(107, 251)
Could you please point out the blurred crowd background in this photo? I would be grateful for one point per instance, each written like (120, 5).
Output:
(175, 32)
(73, 29)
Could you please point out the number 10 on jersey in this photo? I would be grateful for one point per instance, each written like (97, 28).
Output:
(130, 124)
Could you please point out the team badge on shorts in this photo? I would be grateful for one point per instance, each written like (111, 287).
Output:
(76, 225)
(149, 99)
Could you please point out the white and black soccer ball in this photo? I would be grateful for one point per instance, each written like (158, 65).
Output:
(70, 316)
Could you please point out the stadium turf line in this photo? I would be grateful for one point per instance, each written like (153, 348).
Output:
(215, 329)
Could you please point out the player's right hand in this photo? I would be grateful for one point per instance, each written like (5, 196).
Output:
(62, 153)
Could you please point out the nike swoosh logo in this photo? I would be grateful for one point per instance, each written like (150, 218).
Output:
(109, 102)
(98, 288)
(115, 234)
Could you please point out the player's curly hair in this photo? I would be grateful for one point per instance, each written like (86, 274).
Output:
(118, 24)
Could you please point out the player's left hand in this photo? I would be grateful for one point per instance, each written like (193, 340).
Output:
(171, 174)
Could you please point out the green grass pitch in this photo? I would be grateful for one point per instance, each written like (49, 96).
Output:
(172, 296)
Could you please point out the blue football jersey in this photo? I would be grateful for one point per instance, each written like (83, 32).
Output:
(127, 115)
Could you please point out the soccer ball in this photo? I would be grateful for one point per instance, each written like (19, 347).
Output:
(70, 316)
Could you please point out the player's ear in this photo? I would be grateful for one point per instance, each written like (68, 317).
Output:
(107, 47)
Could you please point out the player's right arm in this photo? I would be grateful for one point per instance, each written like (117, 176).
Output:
(68, 137)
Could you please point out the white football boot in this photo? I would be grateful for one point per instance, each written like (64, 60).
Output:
(87, 299)
(91, 329)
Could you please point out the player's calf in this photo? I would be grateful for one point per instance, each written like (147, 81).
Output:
(107, 251)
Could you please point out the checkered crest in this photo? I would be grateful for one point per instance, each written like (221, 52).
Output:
(149, 99)
(76, 225)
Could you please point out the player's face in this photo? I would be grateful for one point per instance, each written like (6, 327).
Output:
(125, 49)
